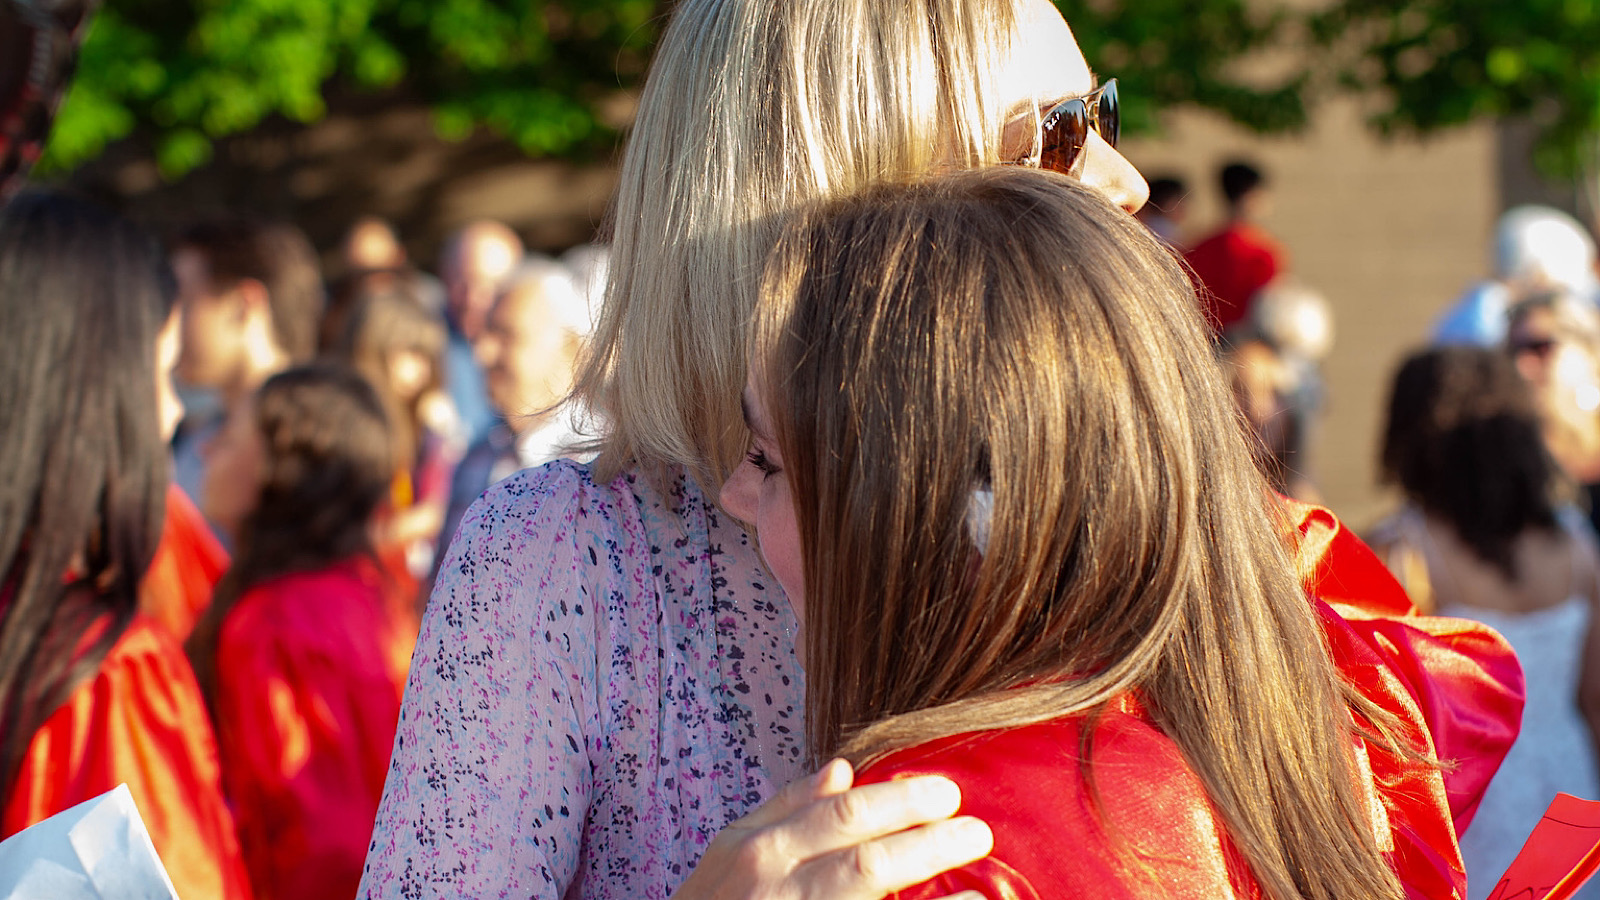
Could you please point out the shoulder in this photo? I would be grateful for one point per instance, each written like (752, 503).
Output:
(1034, 788)
(560, 494)
(1001, 765)
(145, 679)
(144, 656)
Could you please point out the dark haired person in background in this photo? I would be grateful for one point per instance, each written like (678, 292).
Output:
(251, 295)
(1485, 535)
(92, 694)
(301, 655)
(1164, 212)
(1240, 259)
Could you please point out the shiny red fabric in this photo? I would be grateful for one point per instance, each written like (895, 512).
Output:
(188, 564)
(1454, 686)
(140, 721)
(309, 680)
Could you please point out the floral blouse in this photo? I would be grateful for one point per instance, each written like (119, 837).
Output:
(602, 682)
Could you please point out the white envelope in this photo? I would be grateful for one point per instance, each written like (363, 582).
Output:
(97, 850)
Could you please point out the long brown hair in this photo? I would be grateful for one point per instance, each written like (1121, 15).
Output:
(1010, 331)
(326, 470)
(83, 296)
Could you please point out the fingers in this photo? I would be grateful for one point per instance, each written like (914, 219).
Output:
(832, 779)
(839, 820)
(873, 869)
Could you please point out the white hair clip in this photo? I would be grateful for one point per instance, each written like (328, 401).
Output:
(980, 515)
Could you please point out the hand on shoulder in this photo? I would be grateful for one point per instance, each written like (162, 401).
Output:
(821, 838)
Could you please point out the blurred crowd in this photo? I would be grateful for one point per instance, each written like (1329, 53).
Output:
(336, 429)
(1492, 438)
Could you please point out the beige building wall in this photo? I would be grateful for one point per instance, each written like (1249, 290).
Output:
(1390, 232)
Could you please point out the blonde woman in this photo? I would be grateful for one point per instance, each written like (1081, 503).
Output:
(1029, 550)
(606, 677)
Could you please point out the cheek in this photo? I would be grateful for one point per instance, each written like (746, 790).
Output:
(780, 543)
(168, 405)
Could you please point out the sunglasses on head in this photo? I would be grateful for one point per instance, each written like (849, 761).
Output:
(1064, 128)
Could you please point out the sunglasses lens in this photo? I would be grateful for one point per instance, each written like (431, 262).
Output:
(1109, 118)
(1064, 132)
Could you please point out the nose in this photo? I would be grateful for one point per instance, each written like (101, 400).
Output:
(739, 493)
(1110, 173)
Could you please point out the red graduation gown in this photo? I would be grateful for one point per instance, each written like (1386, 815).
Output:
(141, 721)
(309, 680)
(188, 564)
(1453, 684)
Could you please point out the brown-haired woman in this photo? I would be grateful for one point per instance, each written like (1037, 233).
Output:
(302, 654)
(1486, 534)
(1030, 551)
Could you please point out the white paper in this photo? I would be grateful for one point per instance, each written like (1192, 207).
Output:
(97, 850)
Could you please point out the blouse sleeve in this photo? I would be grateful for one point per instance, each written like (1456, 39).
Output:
(490, 779)
(141, 722)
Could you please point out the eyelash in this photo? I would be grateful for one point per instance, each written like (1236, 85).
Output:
(758, 458)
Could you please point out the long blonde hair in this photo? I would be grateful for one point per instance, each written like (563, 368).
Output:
(1009, 331)
(754, 107)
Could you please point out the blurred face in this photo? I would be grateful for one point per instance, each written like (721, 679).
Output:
(168, 407)
(481, 267)
(1560, 363)
(235, 465)
(1044, 68)
(213, 343)
(758, 493)
(526, 355)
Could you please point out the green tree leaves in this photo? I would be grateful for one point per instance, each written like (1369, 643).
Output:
(185, 72)
(1434, 64)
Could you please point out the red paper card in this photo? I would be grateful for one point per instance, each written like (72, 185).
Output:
(1560, 855)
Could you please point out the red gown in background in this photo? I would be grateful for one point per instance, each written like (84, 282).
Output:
(1230, 267)
(310, 672)
(188, 564)
(140, 721)
(1454, 686)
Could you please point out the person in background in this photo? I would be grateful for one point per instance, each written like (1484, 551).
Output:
(251, 295)
(303, 654)
(1553, 337)
(1275, 356)
(399, 347)
(1488, 533)
(1166, 210)
(371, 258)
(1028, 548)
(1536, 250)
(474, 266)
(92, 693)
(1232, 264)
(527, 350)
(590, 265)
